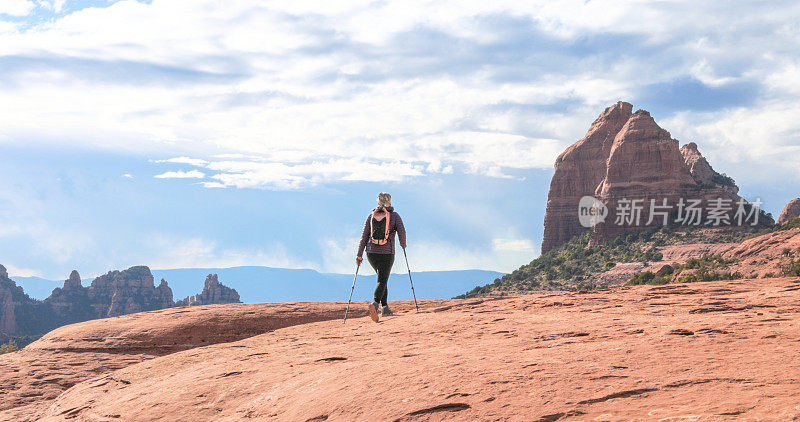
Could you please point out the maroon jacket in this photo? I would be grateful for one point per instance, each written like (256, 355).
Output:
(396, 227)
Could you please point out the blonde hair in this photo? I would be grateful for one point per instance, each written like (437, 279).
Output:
(384, 199)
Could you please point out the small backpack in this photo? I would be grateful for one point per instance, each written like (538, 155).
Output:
(379, 226)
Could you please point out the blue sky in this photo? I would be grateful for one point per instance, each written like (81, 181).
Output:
(191, 133)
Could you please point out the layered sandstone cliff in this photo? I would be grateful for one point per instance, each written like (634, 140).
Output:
(70, 303)
(19, 313)
(126, 292)
(8, 323)
(645, 164)
(579, 171)
(213, 293)
(627, 156)
(113, 294)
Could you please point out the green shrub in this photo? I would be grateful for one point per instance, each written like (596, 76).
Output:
(647, 277)
(572, 265)
(9, 347)
(791, 224)
(709, 276)
(706, 262)
(791, 269)
(723, 179)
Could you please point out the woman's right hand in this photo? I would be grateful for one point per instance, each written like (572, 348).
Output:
(359, 260)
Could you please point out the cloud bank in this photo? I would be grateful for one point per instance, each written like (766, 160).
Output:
(288, 95)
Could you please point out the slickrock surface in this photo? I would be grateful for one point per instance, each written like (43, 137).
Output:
(702, 351)
(32, 377)
(790, 211)
(679, 254)
(683, 253)
(764, 254)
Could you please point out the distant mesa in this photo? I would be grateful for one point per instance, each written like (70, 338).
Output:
(625, 154)
(790, 211)
(112, 294)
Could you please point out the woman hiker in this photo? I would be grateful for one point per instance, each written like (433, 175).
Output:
(378, 239)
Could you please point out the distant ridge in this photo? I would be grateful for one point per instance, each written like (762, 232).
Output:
(113, 294)
(257, 284)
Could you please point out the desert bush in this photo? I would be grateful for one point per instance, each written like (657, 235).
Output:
(791, 224)
(647, 277)
(709, 276)
(9, 347)
(575, 262)
(706, 262)
(791, 269)
(723, 179)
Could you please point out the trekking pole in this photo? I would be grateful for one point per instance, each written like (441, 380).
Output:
(412, 281)
(351, 293)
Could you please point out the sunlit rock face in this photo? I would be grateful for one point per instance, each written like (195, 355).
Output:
(627, 155)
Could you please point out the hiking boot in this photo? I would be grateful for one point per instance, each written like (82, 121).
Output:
(386, 311)
(373, 311)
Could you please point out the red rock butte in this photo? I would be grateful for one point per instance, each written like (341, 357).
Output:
(625, 154)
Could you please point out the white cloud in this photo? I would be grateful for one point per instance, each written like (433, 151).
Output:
(53, 5)
(184, 160)
(60, 245)
(16, 7)
(168, 251)
(740, 140)
(362, 90)
(127, 176)
(516, 245)
(214, 185)
(255, 174)
(180, 174)
(14, 271)
(9, 27)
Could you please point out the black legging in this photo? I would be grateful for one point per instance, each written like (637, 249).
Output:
(382, 263)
